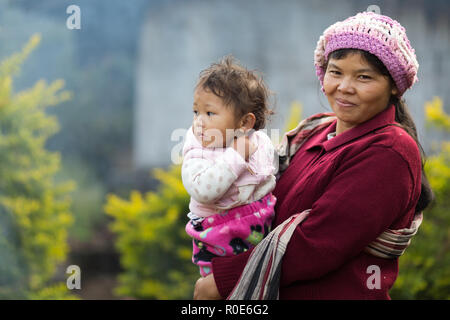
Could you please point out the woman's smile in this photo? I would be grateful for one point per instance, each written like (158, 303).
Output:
(344, 103)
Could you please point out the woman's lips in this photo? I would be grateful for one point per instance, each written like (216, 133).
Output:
(344, 103)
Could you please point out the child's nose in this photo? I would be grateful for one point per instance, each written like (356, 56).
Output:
(199, 122)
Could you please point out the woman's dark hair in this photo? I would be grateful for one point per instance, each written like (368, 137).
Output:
(402, 117)
(241, 89)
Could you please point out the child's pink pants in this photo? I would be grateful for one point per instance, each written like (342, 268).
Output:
(229, 233)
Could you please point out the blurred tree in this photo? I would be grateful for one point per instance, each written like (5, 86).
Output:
(295, 116)
(34, 210)
(424, 270)
(154, 247)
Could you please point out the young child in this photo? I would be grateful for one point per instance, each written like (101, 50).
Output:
(228, 165)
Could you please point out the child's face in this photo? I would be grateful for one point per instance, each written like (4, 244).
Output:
(214, 122)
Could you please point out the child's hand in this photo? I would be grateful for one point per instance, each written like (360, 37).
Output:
(244, 146)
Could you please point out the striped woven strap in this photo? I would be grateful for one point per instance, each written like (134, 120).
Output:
(391, 244)
(261, 275)
(293, 139)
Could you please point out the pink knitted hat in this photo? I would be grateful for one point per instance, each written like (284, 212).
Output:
(377, 34)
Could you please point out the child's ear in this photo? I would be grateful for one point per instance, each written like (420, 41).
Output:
(248, 121)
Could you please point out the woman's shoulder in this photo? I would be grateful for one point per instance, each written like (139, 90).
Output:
(398, 140)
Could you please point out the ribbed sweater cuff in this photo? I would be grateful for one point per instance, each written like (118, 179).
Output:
(227, 271)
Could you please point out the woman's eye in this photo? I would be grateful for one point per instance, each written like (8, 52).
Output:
(209, 113)
(364, 77)
(195, 112)
(335, 72)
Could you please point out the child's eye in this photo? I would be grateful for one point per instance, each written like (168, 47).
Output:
(195, 112)
(209, 113)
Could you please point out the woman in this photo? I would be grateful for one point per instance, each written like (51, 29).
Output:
(360, 173)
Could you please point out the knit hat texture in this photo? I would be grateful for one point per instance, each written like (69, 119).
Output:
(378, 34)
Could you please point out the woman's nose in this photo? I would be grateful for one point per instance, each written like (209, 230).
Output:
(346, 86)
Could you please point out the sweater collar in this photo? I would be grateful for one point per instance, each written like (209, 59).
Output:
(382, 119)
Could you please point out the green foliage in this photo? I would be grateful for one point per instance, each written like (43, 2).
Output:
(57, 291)
(154, 247)
(436, 115)
(34, 210)
(295, 116)
(424, 271)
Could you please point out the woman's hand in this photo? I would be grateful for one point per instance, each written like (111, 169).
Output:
(206, 289)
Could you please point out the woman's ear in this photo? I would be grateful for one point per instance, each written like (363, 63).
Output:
(394, 91)
(248, 121)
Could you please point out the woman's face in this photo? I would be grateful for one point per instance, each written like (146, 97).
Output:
(355, 90)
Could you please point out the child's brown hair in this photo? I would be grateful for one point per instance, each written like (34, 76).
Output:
(239, 88)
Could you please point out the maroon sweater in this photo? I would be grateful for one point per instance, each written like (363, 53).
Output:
(357, 184)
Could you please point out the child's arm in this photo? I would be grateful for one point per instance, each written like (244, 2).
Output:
(207, 180)
(262, 162)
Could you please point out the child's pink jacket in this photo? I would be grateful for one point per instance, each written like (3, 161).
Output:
(219, 179)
